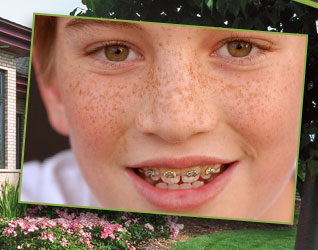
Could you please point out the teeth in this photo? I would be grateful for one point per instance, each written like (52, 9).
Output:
(152, 172)
(190, 179)
(155, 178)
(150, 180)
(197, 184)
(218, 170)
(162, 185)
(208, 171)
(173, 186)
(190, 174)
(170, 179)
(185, 186)
(170, 174)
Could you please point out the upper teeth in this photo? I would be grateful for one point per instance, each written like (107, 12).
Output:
(195, 171)
(170, 174)
(180, 178)
(212, 171)
(192, 173)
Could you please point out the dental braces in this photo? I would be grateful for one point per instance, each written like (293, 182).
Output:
(173, 174)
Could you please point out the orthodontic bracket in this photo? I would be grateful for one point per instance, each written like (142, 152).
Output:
(170, 174)
(150, 173)
(192, 173)
(212, 171)
(173, 174)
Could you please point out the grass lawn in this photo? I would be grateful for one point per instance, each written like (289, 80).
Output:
(259, 239)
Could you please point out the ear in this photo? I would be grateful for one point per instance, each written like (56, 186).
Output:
(51, 97)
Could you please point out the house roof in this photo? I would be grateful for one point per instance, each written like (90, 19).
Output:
(15, 38)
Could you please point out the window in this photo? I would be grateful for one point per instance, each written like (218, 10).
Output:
(2, 100)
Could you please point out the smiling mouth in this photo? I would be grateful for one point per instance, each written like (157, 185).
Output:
(181, 179)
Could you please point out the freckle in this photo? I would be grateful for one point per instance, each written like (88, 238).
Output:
(160, 44)
(189, 38)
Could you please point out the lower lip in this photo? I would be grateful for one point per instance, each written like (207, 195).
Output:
(180, 200)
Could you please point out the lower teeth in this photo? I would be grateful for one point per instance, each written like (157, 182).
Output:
(174, 186)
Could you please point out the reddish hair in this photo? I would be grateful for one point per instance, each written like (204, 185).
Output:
(44, 37)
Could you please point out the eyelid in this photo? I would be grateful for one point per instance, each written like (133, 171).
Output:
(99, 46)
(258, 42)
(260, 45)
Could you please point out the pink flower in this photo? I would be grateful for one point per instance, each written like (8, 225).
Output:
(51, 237)
(107, 232)
(149, 226)
(64, 242)
(130, 247)
(123, 217)
(127, 223)
(174, 227)
(135, 220)
(43, 236)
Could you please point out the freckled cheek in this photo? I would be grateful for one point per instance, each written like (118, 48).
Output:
(96, 110)
(264, 108)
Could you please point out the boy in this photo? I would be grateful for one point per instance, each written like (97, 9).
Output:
(169, 119)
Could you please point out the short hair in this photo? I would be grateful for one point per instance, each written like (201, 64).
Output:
(44, 38)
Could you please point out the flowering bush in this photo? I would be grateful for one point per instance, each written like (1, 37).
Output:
(83, 232)
(174, 227)
(69, 228)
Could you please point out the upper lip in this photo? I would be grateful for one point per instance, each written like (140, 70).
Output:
(184, 162)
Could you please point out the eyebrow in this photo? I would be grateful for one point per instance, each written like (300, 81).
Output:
(82, 23)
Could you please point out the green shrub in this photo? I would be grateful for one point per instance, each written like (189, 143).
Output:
(81, 229)
(9, 206)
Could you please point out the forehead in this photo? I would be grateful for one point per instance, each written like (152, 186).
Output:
(77, 24)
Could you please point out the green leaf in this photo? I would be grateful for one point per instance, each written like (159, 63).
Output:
(237, 22)
(273, 16)
(257, 4)
(243, 4)
(209, 3)
(310, 85)
(234, 7)
(313, 167)
(90, 4)
(72, 13)
(305, 140)
(192, 2)
(244, 7)
(258, 24)
(221, 6)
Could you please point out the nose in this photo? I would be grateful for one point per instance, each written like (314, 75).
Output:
(177, 106)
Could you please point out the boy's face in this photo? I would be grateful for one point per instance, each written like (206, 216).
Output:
(144, 99)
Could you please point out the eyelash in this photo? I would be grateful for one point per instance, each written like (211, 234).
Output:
(261, 46)
(100, 47)
(252, 57)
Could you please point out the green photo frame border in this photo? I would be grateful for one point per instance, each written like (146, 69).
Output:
(308, 2)
(149, 212)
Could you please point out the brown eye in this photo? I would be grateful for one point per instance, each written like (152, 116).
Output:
(239, 48)
(116, 53)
